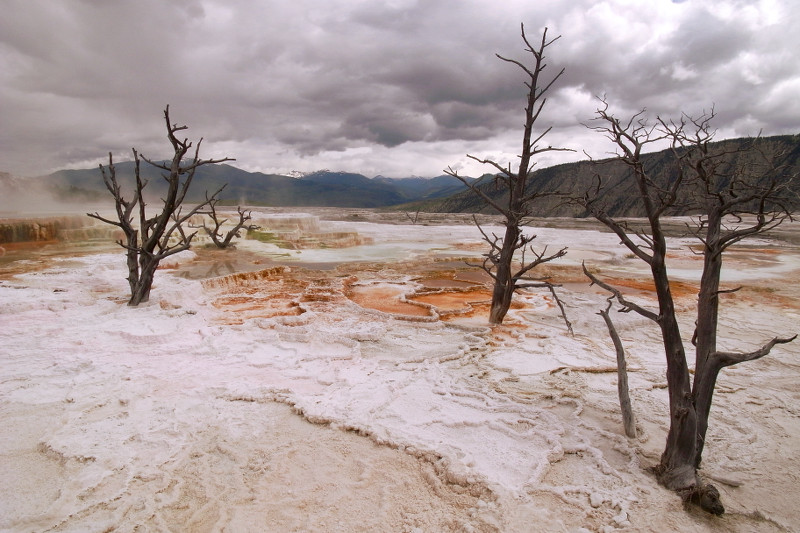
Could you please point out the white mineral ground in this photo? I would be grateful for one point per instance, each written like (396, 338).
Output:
(361, 389)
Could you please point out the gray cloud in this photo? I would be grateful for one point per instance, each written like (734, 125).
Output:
(397, 88)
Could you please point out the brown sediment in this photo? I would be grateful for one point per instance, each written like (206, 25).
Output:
(766, 295)
(740, 249)
(44, 229)
(244, 279)
(27, 245)
(453, 301)
(679, 289)
(238, 309)
(470, 246)
(264, 293)
(473, 276)
(439, 283)
(385, 298)
(558, 274)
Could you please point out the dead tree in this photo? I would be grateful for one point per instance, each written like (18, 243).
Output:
(724, 193)
(732, 202)
(414, 218)
(517, 205)
(628, 419)
(161, 235)
(220, 240)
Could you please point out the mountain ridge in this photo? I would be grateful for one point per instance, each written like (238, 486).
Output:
(325, 188)
(619, 195)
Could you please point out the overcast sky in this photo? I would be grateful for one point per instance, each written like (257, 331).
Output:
(396, 87)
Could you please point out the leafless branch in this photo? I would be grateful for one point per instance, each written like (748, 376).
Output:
(724, 359)
(626, 304)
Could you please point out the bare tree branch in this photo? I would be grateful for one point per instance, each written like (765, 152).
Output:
(627, 305)
(724, 359)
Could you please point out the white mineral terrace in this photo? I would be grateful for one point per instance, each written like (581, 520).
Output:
(361, 389)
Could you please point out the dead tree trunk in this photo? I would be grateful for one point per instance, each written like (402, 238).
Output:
(628, 420)
(499, 261)
(161, 235)
(140, 292)
(705, 182)
(504, 283)
(705, 377)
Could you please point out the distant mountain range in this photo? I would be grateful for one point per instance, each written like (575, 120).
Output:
(342, 189)
(319, 189)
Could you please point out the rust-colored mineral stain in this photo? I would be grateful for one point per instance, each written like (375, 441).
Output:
(387, 299)
(474, 276)
(237, 309)
(679, 289)
(26, 245)
(454, 301)
(446, 284)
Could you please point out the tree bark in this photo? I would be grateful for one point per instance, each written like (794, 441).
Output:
(706, 367)
(628, 420)
(502, 295)
(677, 468)
(504, 282)
(141, 292)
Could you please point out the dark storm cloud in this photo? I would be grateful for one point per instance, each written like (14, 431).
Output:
(398, 87)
